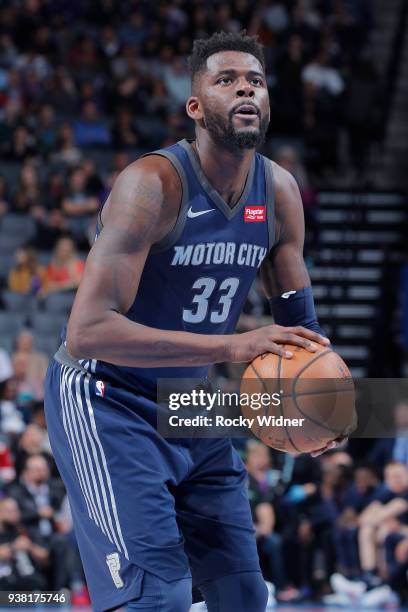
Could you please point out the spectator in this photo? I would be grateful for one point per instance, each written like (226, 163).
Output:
(6, 368)
(93, 182)
(365, 488)
(47, 129)
(27, 276)
(382, 518)
(393, 448)
(262, 481)
(39, 499)
(323, 86)
(60, 90)
(54, 191)
(11, 420)
(23, 145)
(33, 441)
(38, 496)
(29, 194)
(396, 558)
(68, 153)
(78, 205)
(7, 469)
(37, 361)
(65, 269)
(91, 129)
(177, 81)
(23, 556)
(50, 228)
(288, 158)
(29, 388)
(124, 132)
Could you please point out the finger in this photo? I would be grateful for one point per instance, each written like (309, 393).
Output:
(340, 442)
(278, 349)
(310, 334)
(292, 338)
(328, 447)
(317, 453)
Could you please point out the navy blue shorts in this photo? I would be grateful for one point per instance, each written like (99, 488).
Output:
(175, 508)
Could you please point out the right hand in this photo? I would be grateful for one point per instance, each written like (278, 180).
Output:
(268, 339)
(22, 543)
(46, 512)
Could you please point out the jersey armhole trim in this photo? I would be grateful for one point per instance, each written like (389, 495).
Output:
(270, 200)
(173, 235)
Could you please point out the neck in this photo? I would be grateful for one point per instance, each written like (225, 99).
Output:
(225, 168)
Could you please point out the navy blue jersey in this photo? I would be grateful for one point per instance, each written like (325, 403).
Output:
(197, 278)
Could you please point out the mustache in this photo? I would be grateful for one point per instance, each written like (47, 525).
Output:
(251, 104)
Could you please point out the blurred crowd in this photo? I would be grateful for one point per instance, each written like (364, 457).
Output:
(344, 518)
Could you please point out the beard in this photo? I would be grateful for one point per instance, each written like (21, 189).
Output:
(222, 131)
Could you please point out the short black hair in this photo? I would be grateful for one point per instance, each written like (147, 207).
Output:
(223, 41)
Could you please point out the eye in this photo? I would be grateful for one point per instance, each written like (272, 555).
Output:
(224, 80)
(257, 81)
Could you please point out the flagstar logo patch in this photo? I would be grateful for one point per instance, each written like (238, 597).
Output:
(254, 213)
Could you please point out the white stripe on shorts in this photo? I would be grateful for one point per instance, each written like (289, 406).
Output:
(104, 462)
(68, 431)
(82, 442)
(104, 509)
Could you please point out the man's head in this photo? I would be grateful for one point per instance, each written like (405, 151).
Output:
(9, 511)
(258, 456)
(229, 92)
(365, 477)
(396, 477)
(36, 470)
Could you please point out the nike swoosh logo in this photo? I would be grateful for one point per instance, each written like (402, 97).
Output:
(287, 294)
(191, 214)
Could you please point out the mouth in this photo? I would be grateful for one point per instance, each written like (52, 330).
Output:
(247, 111)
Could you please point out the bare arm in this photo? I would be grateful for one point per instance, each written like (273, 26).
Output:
(284, 269)
(142, 208)
(391, 510)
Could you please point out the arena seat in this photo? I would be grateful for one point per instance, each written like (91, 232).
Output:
(59, 302)
(47, 323)
(21, 226)
(19, 303)
(10, 323)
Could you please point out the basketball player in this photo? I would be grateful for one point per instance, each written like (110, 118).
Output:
(180, 240)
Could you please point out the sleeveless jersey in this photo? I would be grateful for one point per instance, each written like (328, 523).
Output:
(198, 277)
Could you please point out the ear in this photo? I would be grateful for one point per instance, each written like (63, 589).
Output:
(193, 108)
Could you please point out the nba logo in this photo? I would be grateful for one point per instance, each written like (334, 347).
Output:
(100, 388)
(254, 213)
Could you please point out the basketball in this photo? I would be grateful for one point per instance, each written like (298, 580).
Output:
(313, 399)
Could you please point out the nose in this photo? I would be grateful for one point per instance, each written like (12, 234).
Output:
(245, 89)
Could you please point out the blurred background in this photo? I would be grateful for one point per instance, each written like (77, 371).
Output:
(86, 87)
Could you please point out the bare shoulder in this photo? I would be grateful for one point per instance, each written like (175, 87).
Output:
(148, 189)
(288, 204)
(284, 182)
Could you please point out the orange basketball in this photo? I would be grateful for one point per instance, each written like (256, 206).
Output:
(313, 399)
